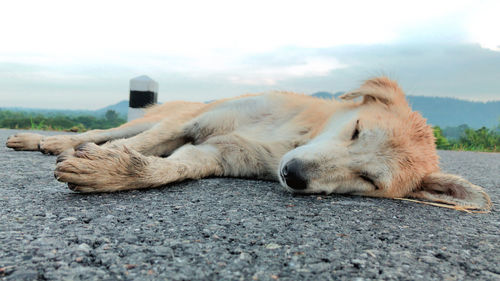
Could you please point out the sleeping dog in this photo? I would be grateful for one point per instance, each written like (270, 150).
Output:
(369, 143)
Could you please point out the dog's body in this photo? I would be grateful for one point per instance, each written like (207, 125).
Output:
(374, 147)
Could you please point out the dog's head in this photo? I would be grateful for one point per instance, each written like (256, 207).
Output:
(376, 147)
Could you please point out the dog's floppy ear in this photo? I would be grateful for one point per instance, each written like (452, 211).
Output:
(380, 89)
(452, 190)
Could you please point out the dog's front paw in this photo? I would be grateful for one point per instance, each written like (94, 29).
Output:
(95, 169)
(57, 144)
(25, 141)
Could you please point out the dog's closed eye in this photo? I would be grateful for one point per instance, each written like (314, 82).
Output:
(355, 134)
(366, 177)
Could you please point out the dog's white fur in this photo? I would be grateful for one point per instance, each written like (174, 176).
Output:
(375, 147)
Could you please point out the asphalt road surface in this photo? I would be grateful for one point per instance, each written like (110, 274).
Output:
(232, 229)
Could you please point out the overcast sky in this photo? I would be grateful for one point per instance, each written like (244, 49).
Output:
(81, 54)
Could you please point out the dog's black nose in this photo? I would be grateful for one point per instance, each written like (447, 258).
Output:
(293, 174)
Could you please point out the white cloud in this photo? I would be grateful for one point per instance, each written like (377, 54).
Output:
(195, 28)
(211, 47)
(483, 25)
(271, 75)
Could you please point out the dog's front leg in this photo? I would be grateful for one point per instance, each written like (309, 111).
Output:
(96, 169)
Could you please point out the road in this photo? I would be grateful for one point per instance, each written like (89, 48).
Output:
(233, 229)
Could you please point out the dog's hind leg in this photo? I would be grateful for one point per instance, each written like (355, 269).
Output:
(161, 140)
(24, 142)
(176, 112)
(59, 143)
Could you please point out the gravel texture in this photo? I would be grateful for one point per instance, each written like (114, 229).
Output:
(232, 229)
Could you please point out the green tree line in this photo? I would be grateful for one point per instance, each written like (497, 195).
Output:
(36, 121)
(482, 139)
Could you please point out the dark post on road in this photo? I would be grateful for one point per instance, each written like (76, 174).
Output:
(143, 93)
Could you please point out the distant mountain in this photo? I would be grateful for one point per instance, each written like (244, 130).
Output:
(121, 108)
(327, 95)
(454, 112)
(446, 112)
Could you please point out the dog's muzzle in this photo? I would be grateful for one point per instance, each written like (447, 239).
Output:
(293, 175)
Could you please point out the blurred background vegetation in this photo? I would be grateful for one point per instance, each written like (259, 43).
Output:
(59, 122)
(465, 138)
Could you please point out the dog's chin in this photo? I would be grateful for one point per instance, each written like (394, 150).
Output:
(304, 191)
(286, 187)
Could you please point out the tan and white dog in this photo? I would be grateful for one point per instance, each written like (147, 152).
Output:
(376, 146)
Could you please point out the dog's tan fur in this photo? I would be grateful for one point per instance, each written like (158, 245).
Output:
(375, 147)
